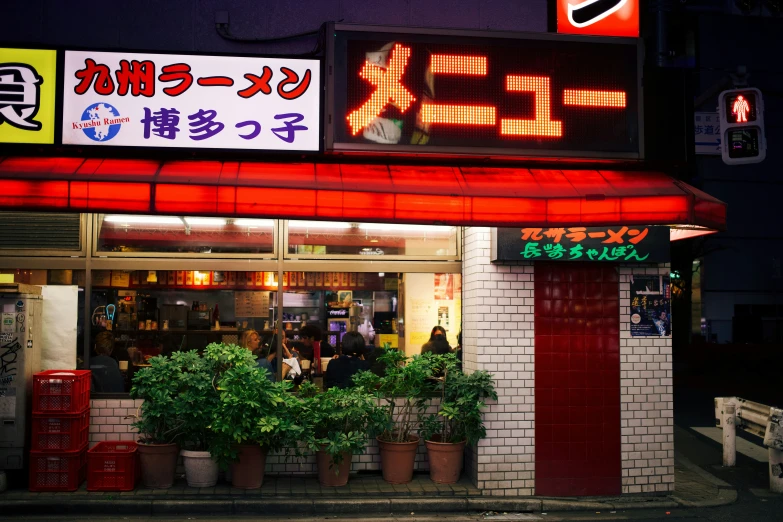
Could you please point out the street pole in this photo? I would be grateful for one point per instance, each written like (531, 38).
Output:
(729, 436)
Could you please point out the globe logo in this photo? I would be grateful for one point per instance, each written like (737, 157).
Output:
(101, 122)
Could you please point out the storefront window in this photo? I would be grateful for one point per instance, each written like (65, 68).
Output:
(118, 233)
(145, 313)
(332, 238)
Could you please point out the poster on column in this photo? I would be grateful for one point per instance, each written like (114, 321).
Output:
(650, 306)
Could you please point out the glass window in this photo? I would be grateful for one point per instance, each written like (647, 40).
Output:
(184, 235)
(140, 314)
(333, 238)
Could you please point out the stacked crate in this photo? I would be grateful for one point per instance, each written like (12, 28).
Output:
(60, 430)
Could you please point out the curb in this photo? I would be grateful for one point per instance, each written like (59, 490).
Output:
(291, 506)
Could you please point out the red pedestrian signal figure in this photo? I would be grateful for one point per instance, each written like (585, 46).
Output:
(741, 108)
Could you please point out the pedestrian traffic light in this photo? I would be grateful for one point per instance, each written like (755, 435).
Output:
(742, 126)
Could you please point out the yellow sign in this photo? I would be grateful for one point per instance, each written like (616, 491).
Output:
(27, 85)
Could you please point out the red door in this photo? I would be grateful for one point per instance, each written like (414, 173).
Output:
(577, 379)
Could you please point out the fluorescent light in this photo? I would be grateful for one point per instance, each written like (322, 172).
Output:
(677, 233)
(205, 221)
(254, 223)
(148, 220)
(319, 224)
(401, 228)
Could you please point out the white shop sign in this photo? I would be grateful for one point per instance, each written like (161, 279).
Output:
(188, 101)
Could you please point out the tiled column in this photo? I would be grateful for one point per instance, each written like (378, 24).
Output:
(646, 395)
(498, 336)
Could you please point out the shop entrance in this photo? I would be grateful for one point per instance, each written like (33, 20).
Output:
(577, 389)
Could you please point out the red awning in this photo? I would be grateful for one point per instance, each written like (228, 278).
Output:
(476, 196)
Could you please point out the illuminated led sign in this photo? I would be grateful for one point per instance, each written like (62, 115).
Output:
(468, 93)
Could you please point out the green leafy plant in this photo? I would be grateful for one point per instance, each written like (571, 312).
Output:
(251, 409)
(157, 419)
(338, 420)
(403, 390)
(197, 401)
(462, 398)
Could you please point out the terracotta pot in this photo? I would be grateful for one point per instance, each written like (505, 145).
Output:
(158, 464)
(397, 460)
(248, 472)
(330, 475)
(445, 461)
(201, 470)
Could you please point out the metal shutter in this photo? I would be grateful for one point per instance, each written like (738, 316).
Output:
(39, 231)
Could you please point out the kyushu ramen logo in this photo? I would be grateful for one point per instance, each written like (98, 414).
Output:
(100, 122)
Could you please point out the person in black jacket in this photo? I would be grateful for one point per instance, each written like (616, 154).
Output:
(341, 370)
(437, 343)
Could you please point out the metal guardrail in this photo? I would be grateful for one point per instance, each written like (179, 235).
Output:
(755, 418)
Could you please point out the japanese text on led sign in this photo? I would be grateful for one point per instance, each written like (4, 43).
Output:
(397, 92)
(626, 244)
(191, 101)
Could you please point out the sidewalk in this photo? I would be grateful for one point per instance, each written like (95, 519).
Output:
(364, 494)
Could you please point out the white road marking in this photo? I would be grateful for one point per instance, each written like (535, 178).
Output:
(754, 451)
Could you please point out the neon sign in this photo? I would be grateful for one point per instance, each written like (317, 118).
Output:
(626, 244)
(534, 96)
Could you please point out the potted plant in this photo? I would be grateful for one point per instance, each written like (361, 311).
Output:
(458, 419)
(337, 424)
(253, 415)
(157, 421)
(196, 405)
(403, 391)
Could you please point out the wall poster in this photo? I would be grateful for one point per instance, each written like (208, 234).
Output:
(650, 306)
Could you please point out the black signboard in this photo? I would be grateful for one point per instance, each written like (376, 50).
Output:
(406, 90)
(615, 244)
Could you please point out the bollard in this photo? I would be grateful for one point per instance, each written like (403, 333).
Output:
(729, 436)
(775, 470)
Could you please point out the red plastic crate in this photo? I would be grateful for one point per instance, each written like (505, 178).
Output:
(57, 471)
(112, 466)
(63, 391)
(60, 432)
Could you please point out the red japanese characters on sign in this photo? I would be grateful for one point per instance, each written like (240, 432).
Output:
(157, 100)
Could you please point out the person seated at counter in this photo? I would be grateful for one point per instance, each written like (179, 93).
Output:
(106, 376)
(252, 341)
(437, 343)
(340, 371)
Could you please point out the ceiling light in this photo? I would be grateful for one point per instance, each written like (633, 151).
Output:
(207, 221)
(148, 220)
(254, 223)
(373, 241)
(299, 225)
(402, 228)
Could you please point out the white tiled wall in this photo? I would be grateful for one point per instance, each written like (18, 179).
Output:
(647, 411)
(108, 421)
(497, 336)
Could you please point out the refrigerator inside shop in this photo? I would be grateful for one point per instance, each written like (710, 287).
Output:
(20, 358)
